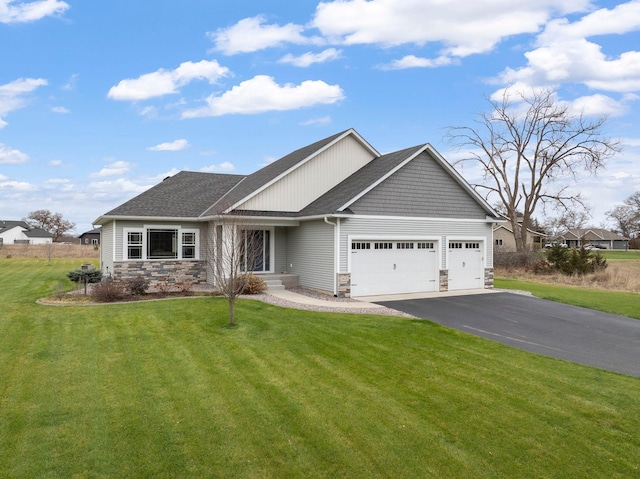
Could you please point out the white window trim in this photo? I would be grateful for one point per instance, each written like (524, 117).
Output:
(144, 230)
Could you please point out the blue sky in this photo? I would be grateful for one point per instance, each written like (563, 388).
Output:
(101, 100)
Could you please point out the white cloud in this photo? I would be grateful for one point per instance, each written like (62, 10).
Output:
(176, 145)
(309, 58)
(412, 61)
(60, 109)
(164, 82)
(60, 184)
(71, 83)
(55, 163)
(113, 169)
(116, 187)
(7, 184)
(21, 12)
(12, 95)
(226, 167)
(262, 93)
(11, 156)
(324, 120)
(160, 177)
(252, 34)
(461, 27)
(597, 105)
(564, 53)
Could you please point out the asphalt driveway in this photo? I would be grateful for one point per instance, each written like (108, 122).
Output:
(581, 335)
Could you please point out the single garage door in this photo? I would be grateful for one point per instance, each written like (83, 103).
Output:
(466, 265)
(393, 267)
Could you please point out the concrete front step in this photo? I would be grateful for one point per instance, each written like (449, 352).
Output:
(274, 285)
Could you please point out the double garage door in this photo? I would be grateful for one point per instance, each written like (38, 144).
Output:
(392, 267)
(396, 267)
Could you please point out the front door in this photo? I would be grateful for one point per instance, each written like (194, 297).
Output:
(256, 251)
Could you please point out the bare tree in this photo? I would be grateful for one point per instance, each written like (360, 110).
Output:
(525, 144)
(234, 251)
(627, 216)
(568, 220)
(51, 222)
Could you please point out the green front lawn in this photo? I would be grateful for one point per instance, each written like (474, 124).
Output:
(616, 302)
(167, 389)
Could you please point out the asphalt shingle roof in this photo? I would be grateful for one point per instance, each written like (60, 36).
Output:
(184, 195)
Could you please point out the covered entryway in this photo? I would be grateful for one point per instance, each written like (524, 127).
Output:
(393, 267)
(466, 264)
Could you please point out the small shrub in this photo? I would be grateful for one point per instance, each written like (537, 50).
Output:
(253, 284)
(163, 286)
(78, 275)
(108, 291)
(528, 260)
(184, 284)
(136, 286)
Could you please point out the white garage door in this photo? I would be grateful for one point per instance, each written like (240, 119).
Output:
(466, 265)
(392, 267)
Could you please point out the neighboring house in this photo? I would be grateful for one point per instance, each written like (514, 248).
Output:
(19, 232)
(594, 236)
(505, 241)
(336, 216)
(91, 237)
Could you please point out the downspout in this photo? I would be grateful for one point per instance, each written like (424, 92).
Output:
(336, 244)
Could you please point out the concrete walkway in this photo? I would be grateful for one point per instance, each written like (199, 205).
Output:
(367, 302)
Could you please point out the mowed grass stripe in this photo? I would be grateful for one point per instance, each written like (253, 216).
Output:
(167, 389)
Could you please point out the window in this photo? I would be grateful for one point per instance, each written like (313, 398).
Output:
(453, 245)
(162, 244)
(499, 242)
(255, 253)
(134, 245)
(360, 245)
(472, 245)
(158, 242)
(404, 246)
(188, 245)
(383, 245)
(425, 246)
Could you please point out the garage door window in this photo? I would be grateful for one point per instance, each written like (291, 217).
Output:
(405, 245)
(472, 245)
(455, 245)
(425, 246)
(383, 245)
(359, 245)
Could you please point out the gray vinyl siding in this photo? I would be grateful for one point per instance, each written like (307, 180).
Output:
(280, 239)
(361, 227)
(311, 255)
(106, 248)
(422, 188)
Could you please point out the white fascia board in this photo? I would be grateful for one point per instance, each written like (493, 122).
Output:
(254, 220)
(414, 218)
(349, 132)
(105, 219)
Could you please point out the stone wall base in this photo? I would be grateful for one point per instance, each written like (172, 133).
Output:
(161, 272)
(344, 285)
(488, 278)
(444, 280)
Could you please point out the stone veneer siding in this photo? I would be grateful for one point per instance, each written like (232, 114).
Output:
(344, 285)
(444, 280)
(171, 272)
(488, 278)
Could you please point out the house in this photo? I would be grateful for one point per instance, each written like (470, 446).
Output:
(336, 216)
(91, 237)
(505, 241)
(575, 238)
(19, 232)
